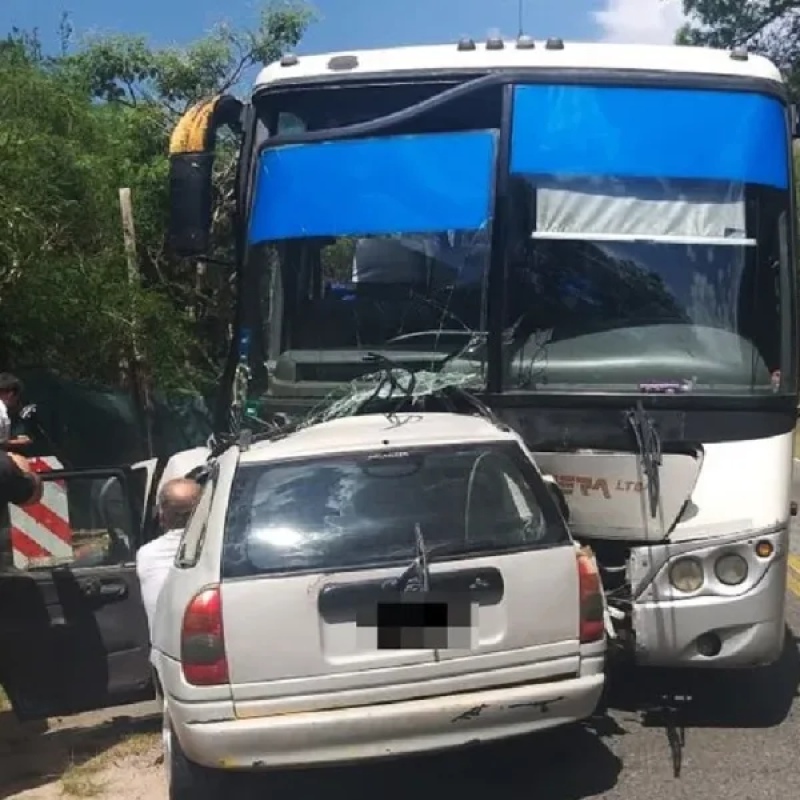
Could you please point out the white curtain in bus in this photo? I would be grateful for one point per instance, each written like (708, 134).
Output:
(624, 209)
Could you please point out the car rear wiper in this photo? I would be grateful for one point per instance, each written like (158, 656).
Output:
(416, 576)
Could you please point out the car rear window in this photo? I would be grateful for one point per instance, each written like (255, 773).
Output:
(359, 510)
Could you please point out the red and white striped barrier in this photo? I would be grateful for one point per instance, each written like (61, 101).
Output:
(41, 533)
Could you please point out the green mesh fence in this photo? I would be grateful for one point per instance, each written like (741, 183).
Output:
(92, 426)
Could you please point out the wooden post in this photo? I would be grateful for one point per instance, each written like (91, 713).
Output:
(128, 234)
(139, 381)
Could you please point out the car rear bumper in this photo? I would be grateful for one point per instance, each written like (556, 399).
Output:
(386, 730)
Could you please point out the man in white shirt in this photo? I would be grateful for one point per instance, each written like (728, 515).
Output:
(10, 416)
(176, 501)
(5, 423)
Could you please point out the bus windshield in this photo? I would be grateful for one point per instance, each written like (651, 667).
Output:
(647, 240)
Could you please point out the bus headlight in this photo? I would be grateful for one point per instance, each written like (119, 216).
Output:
(686, 575)
(730, 569)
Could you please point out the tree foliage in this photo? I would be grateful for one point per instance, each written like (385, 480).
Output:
(76, 126)
(126, 70)
(771, 27)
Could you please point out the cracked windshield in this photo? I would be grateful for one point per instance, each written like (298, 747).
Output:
(623, 266)
(376, 244)
(633, 264)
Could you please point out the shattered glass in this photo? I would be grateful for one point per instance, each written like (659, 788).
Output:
(388, 390)
(377, 280)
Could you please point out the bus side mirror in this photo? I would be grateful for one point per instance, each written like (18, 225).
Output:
(191, 165)
(190, 203)
(794, 116)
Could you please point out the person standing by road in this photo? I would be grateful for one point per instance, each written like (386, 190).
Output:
(176, 501)
(13, 434)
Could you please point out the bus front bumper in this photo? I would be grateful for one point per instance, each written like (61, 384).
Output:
(717, 626)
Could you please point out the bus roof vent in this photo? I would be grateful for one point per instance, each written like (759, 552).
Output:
(343, 62)
(740, 54)
(525, 42)
(289, 60)
(495, 42)
(465, 43)
(554, 44)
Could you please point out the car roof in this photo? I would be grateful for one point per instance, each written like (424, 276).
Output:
(375, 432)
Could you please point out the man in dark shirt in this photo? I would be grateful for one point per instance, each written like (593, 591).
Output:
(19, 485)
(11, 395)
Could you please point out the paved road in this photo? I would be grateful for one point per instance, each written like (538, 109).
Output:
(735, 737)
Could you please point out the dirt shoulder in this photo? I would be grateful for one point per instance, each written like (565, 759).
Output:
(97, 755)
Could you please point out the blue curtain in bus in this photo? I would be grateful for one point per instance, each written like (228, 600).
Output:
(388, 185)
(650, 133)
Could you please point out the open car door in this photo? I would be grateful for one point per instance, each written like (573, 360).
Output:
(73, 631)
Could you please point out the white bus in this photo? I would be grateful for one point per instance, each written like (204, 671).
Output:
(599, 240)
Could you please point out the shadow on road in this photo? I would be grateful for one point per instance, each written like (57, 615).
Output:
(681, 700)
(564, 764)
(757, 698)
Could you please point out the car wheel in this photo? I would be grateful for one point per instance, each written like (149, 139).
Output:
(185, 779)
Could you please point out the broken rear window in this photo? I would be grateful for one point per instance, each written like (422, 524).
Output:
(360, 510)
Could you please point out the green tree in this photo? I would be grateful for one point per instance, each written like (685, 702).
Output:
(151, 87)
(126, 70)
(64, 294)
(771, 27)
(76, 126)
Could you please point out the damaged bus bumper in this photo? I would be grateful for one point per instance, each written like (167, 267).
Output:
(717, 624)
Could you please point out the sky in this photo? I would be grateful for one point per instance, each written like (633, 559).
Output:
(356, 24)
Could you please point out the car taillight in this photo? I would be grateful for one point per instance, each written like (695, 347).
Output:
(202, 644)
(592, 626)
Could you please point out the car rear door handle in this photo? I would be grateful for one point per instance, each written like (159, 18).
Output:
(100, 589)
(480, 584)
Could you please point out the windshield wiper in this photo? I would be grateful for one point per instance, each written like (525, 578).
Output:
(416, 576)
(648, 443)
(388, 378)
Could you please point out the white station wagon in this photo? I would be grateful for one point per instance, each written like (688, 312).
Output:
(370, 587)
